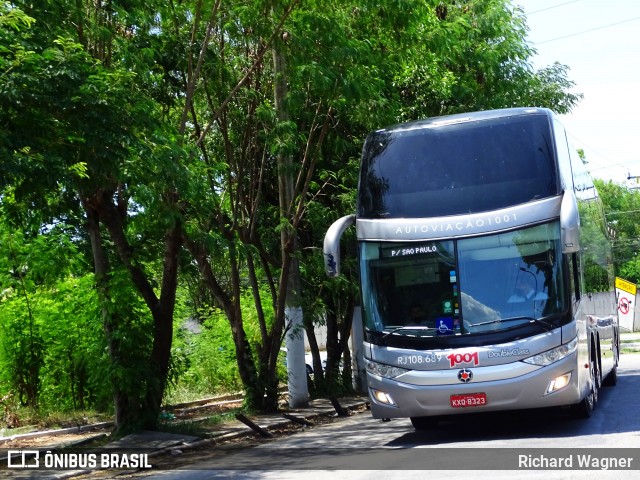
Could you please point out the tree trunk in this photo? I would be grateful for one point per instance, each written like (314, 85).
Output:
(163, 329)
(110, 321)
(253, 384)
(133, 412)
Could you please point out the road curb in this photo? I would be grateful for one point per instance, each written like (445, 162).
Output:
(57, 432)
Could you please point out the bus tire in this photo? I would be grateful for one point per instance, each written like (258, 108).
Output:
(585, 408)
(612, 379)
(598, 378)
(424, 423)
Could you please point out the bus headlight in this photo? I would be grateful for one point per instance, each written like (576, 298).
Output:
(382, 397)
(559, 383)
(382, 370)
(551, 356)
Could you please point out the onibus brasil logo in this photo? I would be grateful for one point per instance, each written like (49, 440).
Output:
(33, 459)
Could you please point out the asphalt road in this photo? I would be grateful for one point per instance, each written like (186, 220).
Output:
(478, 446)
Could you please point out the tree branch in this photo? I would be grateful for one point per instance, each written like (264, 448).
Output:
(247, 75)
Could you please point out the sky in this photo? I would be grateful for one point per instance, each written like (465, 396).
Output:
(599, 40)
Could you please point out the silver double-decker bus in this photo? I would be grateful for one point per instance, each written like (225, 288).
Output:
(485, 268)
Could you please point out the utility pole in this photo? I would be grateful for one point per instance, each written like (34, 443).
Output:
(634, 177)
(294, 340)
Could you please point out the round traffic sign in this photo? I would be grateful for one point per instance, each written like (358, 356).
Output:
(623, 305)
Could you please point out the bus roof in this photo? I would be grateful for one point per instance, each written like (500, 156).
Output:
(466, 117)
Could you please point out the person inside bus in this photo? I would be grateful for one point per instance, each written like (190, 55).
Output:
(419, 315)
(526, 289)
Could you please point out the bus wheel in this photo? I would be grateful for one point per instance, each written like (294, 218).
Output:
(612, 379)
(424, 423)
(584, 409)
(597, 376)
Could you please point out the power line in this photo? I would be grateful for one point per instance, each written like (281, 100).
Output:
(552, 7)
(608, 163)
(587, 31)
(605, 161)
(614, 165)
(597, 162)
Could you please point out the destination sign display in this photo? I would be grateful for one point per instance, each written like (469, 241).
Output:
(409, 250)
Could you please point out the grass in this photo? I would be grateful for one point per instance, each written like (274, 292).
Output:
(629, 349)
(181, 393)
(38, 419)
(9, 432)
(629, 346)
(32, 420)
(199, 427)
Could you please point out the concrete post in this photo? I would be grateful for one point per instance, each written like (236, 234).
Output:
(357, 351)
(296, 366)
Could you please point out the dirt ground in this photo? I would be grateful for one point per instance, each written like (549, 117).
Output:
(210, 449)
(99, 436)
(173, 457)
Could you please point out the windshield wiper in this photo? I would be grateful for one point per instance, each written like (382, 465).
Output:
(398, 329)
(546, 325)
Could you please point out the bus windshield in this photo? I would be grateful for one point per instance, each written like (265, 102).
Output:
(463, 287)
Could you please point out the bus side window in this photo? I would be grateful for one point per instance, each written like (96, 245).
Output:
(574, 276)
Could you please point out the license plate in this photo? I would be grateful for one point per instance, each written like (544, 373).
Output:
(469, 400)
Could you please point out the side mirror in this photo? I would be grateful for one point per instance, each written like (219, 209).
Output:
(570, 223)
(331, 246)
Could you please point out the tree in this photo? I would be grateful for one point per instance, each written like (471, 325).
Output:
(77, 132)
(232, 220)
(622, 210)
(475, 56)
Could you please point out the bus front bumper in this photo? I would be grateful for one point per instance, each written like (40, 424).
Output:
(393, 398)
